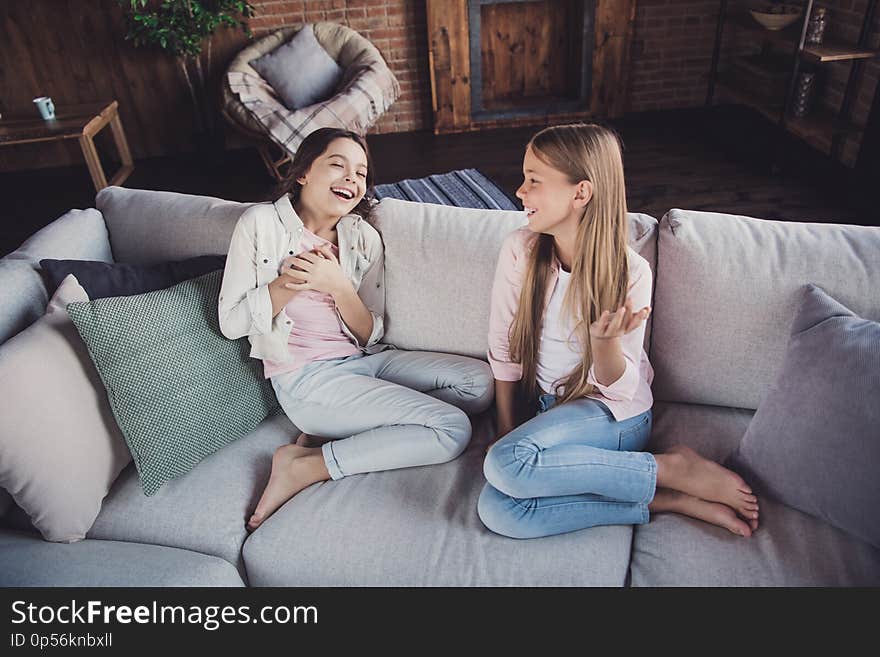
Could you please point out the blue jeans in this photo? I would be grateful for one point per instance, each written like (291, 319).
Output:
(393, 409)
(571, 467)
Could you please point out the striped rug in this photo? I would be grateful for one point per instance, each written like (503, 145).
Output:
(465, 188)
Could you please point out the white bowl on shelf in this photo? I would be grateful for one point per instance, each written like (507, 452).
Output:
(776, 17)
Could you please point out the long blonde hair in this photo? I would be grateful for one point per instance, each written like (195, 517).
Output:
(599, 272)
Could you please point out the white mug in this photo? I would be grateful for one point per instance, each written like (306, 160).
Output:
(46, 107)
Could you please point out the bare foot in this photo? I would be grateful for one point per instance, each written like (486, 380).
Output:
(681, 468)
(293, 468)
(666, 500)
(306, 440)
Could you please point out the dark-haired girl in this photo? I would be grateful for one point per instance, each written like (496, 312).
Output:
(304, 280)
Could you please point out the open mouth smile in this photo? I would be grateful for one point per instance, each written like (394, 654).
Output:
(343, 193)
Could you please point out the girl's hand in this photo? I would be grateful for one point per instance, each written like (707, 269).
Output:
(617, 324)
(315, 270)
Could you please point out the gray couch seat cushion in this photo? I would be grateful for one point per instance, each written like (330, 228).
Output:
(728, 288)
(419, 527)
(28, 560)
(148, 227)
(204, 510)
(790, 548)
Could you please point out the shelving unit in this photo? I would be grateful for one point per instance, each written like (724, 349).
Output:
(820, 125)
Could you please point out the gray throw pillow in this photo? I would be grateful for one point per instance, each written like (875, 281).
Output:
(300, 71)
(178, 388)
(814, 442)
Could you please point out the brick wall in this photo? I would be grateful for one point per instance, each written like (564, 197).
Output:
(671, 53)
(398, 28)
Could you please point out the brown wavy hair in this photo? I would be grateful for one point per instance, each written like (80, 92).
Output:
(599, 272)
(315, 145)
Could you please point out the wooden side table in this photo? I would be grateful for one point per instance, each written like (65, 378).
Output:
(81, 122)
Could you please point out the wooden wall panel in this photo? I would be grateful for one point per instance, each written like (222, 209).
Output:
(75, 51)
(523, 52)
(450, 67)
(615, 20)
(527, 50)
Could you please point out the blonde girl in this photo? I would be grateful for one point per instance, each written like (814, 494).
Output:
(567, 324)
(304, 281)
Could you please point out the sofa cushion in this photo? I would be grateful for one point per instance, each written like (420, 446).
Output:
(148, 227)
(30, 561)
(77, 234)
(454, 250)
(107, 279)
(814, 443)
(60, 448)
(713, 431)
(419, 527)
(204, 510)
(300, 71)
(22, 296)
(178, 388)
(727, 290)
(6, 502)
(789, 548)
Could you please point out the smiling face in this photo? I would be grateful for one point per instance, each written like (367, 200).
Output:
(552, 202)
(335, 182)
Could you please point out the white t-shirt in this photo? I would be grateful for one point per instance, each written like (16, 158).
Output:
(560, 350)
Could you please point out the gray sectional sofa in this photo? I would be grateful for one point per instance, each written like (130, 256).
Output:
(726, 288)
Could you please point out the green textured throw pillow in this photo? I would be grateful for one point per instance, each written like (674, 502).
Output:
(178, 388)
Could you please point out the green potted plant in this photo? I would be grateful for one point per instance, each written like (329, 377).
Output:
(181, 28)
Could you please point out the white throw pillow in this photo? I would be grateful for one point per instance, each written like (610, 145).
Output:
(60, 447)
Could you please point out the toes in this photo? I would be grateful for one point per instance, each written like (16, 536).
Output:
(753, 524)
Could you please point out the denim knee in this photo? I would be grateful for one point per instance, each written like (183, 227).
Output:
(502, 514)
(502, 469)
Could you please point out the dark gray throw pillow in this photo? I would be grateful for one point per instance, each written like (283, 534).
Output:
(118, 279)
(814, 442)
(300, 71)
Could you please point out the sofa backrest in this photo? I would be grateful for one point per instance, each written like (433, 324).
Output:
(726, 292)
(439, 266)
(440, 260)
(148, 227)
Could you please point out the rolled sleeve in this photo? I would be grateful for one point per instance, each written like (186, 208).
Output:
(244, 307)
(259, 304)
(624, 389)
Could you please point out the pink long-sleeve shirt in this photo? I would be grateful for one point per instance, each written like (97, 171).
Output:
(628, 396)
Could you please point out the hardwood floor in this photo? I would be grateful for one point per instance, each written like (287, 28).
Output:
(714, 159)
